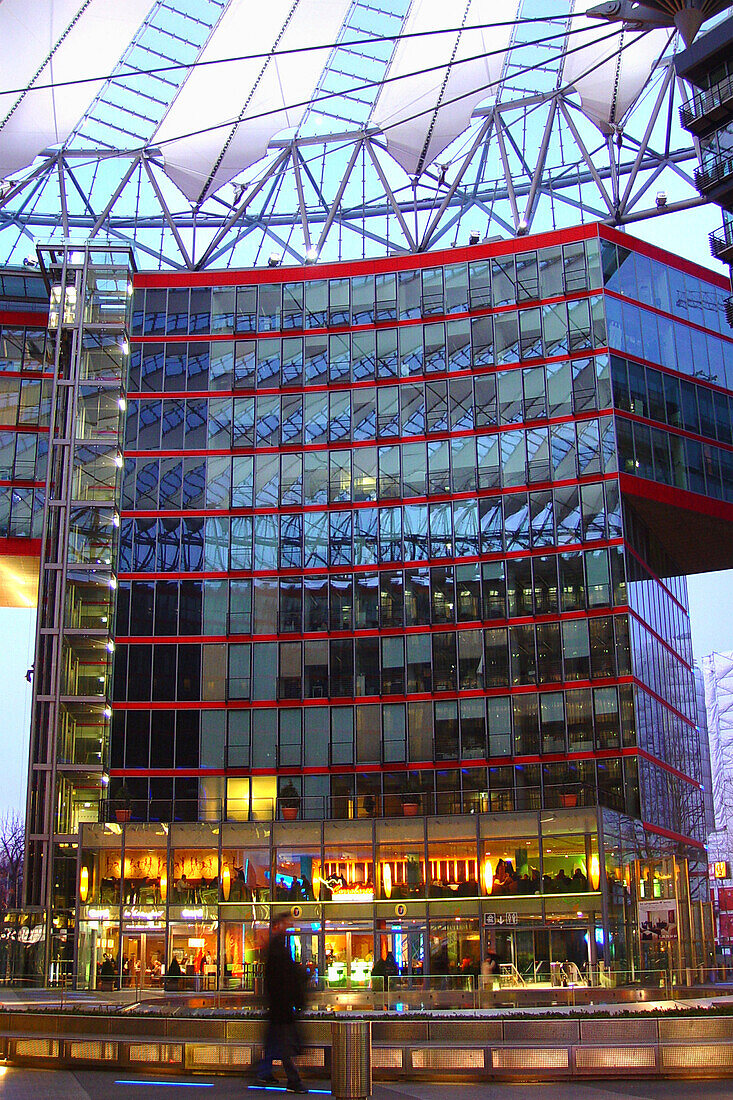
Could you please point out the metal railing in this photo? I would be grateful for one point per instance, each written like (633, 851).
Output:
(704, 103)
(406, 803)
(721, 241)
(714, 171)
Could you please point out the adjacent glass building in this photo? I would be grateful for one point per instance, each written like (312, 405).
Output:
(396, 562)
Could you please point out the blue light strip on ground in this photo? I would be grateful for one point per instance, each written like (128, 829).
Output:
(170, 1084)
(282, 1088)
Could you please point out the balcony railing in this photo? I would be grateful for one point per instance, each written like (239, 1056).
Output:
(721, 242)
(706, 108)
(716, 171)
(729, 311)
(362, 806)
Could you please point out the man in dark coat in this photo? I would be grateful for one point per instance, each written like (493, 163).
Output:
(285, 994)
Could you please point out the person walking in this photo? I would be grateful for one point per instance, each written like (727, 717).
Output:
(285, 994)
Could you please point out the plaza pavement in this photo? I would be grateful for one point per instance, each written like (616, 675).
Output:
(36, 1084)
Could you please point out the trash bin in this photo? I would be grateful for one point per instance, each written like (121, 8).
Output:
(351, 1059)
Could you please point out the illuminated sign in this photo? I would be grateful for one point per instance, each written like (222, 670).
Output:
(143, 914)
(719, 869)
(192, 914)
(491, 920)
(98, 914)
(353, 893)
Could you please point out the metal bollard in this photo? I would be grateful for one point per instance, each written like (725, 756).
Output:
(351, 1059)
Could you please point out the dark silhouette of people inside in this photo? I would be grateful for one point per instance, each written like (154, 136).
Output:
(174, 974)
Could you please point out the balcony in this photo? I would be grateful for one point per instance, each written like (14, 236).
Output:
(729, 310)
(714, 179)
(721, 243)
(568, 795)
(706, 110)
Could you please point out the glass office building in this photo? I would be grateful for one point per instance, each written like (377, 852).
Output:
(401, 641)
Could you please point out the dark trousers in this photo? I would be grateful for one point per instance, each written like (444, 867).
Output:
(281, 1041)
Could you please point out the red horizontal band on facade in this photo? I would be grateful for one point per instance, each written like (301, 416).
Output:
(370, 700)
(668, 316)
(658, 637)
(20, 547)
(406, 769)
(669, 835)
(712, 386)
(24, 317)
(706, 440)
(373, 632)
(368, 326)
(482, 371)
(664, 702)
(24, 428)
(668, 592)
(382, 265)
(335, 570)
(386, 441)
(384, 504)
(652, 759)
(654, 252)
(444, 257)
(27, 375)
(678, 498)
(21, 482)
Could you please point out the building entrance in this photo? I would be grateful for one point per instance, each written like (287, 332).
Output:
(143, 959)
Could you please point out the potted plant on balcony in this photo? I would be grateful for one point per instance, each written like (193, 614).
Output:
(568, 793)
(123, 805)
(412, 797)
(289, 801)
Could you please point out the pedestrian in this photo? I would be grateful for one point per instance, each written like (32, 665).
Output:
(285, 993)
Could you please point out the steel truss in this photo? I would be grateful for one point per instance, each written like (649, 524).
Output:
(527, 162)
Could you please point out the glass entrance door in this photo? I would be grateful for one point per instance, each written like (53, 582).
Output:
(143, 959)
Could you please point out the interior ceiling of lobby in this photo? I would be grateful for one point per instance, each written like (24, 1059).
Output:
(18, 580)
(218, 132)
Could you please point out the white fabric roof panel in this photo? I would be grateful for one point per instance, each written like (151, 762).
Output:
(609, 75)
(246, 102)
(422, 113)
(56, 40)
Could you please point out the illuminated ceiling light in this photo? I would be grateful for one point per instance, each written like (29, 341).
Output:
(84, 884)
(311, 255)
(113, 583)
(274, 259)
(488, 877)
(226, 882)
(595, 873)
(115, 519)
(163, 885)
(122, 403)
(119, 461)
(110, 646)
